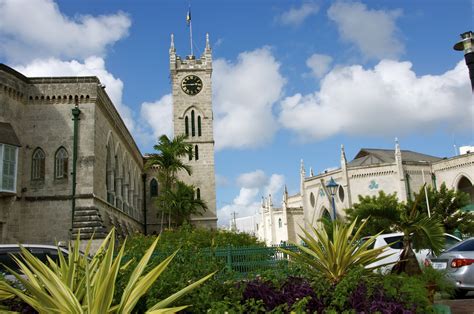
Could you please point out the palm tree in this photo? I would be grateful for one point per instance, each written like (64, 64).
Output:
(419, 231)
(169, 161)
(182, 203)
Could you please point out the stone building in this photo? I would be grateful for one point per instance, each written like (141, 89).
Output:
(68, 163)
(372, 170)
(37, 137)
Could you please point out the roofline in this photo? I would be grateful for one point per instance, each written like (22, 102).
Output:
(9, 70)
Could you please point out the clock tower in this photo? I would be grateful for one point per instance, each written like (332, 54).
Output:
(192, 115)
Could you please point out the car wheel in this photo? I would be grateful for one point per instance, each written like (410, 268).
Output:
(458, 293)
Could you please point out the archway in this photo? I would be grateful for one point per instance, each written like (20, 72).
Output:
(465, 185)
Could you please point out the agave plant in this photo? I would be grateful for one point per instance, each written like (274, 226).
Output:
(79, 284)
(334, 255)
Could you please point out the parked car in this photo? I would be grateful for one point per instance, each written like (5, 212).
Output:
(393, 251)
(458, 262)
(41, 251)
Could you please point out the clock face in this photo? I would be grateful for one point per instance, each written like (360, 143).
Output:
(191, 85)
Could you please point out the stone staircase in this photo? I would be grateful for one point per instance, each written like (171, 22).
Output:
(89, 222)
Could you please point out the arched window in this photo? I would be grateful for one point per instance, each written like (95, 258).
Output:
(186, 125)
(190, 154)
(198, 193)
(196, 152)
(37, 165)
(193, 127)
(199, 125)
(279, 223)
(61, 163)
(153, 188)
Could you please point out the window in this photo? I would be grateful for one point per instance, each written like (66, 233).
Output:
(198, 193)
(61, 164)
(8, 167)
(199, 125)
(279, 223)
(193, 127)
(186, 125)
(196, 152)
(153, 188)
(37, 165)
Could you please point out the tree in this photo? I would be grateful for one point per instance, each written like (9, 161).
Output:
(390, 215)
(419, 231)
(446, 205)
(182, 203)
(169, 161)
(384, 210)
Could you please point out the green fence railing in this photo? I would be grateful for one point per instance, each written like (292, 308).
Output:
(250, 259)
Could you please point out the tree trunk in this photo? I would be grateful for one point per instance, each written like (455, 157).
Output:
(408, 263)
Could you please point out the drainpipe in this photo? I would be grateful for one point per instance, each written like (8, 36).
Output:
(75, 114)
(144, 202)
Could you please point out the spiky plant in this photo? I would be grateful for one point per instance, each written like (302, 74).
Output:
(79, 284)
(334, 255)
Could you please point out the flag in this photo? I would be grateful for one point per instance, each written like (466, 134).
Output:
(188, 17)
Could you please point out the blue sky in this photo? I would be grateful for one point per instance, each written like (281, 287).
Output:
(292, 79)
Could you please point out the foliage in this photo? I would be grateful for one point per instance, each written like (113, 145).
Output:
(181, 202)
(169, 161)
(334, 257)
(192, 262)
(445, 205)
(79, 284)
(355, 293)
(419, 231)
(383, 209)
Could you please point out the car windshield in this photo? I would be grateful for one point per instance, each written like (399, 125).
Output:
(464, 246)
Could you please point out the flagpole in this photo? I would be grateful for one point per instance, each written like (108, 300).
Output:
(191, 36)
(426, 193)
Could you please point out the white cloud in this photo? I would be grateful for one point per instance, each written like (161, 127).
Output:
(253, 179)
(92, 66)
(252, 185)
(319, 64)
(296, 16)
(31, 29)
(386, 100)
(158, 116)
(373, 31)
(244, 94)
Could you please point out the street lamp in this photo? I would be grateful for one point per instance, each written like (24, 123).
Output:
(466, 45)
(332, 187)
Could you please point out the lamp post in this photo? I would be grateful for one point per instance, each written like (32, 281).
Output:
(332, 187)
(466, 45)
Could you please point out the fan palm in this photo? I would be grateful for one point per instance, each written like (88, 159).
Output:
(419, 231)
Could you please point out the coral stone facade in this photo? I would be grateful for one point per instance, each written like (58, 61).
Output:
(372, 170)
(108, 163)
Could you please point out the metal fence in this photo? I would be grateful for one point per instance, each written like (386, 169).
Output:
(250, 259)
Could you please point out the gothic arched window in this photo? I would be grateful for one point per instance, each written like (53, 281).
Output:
(61, 163)
(37, 165)
(186, 125)
(198, 193)
(193, 127)
(199, 125)
(153, 188)
(196, 152)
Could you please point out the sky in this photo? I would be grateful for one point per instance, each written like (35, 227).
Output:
(292, 80)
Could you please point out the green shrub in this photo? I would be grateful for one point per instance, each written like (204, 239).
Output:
(194, 260)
